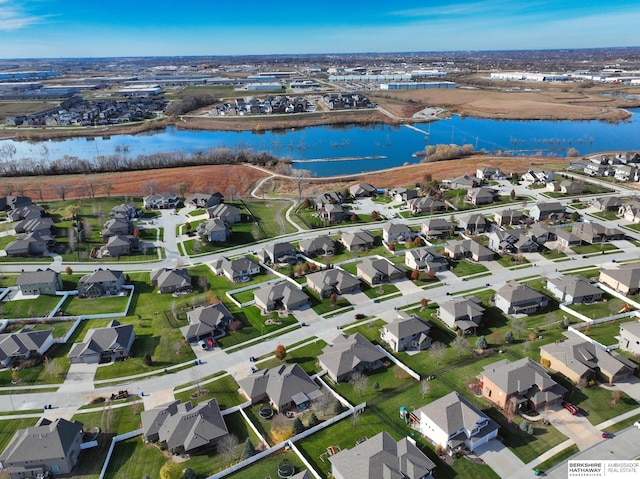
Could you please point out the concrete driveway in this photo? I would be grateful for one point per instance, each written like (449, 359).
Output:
(499, 458)
(578, 428)
(79, 378)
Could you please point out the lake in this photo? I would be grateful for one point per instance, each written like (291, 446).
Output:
(332, 150)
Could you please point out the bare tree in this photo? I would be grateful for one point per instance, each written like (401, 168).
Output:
(72, 238)
(151, 187)
(61, 189)
(460, 345)
(300, 179)
(518, 326)
(323, 402)
(107, 187)
(425, 387)
(437, 351)
(227, 445)
(359, 381)
(39, 188)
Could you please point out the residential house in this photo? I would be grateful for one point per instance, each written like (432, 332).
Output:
(553, 186)
(606, 203)
(125, 211)
(519, 385)
(468, 249)
(625, 280)
(538, 176)
(474, 223)
(381, 457)
(332, 281)
(453, 423)
(437, 228)
(285, 387)
(332, 213)
(425, 259)
(183, 427)
(30, 244)
(11, 202)
(33, 225)
(362, 190)
(47, 446)
(402, 194)
(169, 280)
(541, 233)
(568, 187)
(515, 298)
(160, 201)
(424, 204)
(214, 231)
(349, 354)
(25, 213)
(281, 296)
(547, 211)
(237, 270)
(490, 173)
(330, 198)
(596, 233)
(40, 281)
(626, 173)
(15, 347)
(464, 314)
(630, 211)
(480, 196)
(204, 200)
(278, 253)
(629, 337)
(119, 245)
(464, 182)
(376, 271)
(206, 322)
(318, 246)
(101, 282)
(566, 239)
(406, 332)
(116, 226)
(227, 213)
(357, 240)
(104, 344)
(511, 242)
(573, 289)
(581, 361)
(397, 233)
(508, 217)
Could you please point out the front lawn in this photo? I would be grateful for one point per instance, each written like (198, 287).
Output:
(466, 268)
(510, 261)
(306, 357)
(594, 248)
(224, 389)
(324, 305)
(379, 290)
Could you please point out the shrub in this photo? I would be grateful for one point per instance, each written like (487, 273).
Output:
(298, 427)
(313, 420)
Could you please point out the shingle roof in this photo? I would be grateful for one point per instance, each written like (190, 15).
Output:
(347, 353)
(518, 376)
(167, 278)
(38, 276)
(407, 325)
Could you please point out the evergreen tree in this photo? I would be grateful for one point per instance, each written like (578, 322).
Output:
(248, 450)
(508, 338)
(298, 427)
(313, 420)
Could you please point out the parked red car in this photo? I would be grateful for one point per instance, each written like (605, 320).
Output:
(210, 342)
(572, 408)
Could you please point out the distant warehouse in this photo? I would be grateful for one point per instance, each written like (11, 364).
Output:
(140, 90)
(417, 85)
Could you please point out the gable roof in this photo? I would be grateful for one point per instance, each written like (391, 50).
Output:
(281, 291)
(374, 266)
(351, 238)
(407, 325)
(324, 243)
(520, 376)
(115, 337)
(39, 276)
(575, 286)
(102, 276)
(171, 278)
(333, 277)
(347, 353)
(514, 292)
(20, 343)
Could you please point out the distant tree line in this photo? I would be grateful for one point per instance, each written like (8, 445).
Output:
(446, 152)
(190, 103)
(122, 162)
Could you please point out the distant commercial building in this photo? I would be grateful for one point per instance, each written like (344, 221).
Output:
(27, 76)
(140, 90)
(411, 85)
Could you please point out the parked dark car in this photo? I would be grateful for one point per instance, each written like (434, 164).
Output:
(359, 316)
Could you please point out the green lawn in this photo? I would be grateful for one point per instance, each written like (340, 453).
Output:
(594, 248)
(552, 254)
(268, 467)
(510, 261)
(8, 428)
(30, 308)
(323, 305)
(224, 389)
(378, 290)
(74, 306)
(306, 357)
(466, 268)
(601, 309)
(270, 214)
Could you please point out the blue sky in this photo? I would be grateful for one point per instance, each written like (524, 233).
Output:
(99, 28)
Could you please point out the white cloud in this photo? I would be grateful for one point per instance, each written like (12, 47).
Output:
(13, 16)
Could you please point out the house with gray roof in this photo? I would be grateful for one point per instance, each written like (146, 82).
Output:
(160, 201)
(397, 232)
(204, 200)
(402, 194)
(278, 253)
(596, 232)
(508, 217)
(183, 427)
(629, 337)
(573, 289)
(206, 322)
(47, 446)
(332, 281)
(515, 298)
(104, 344)
(437, 228)
(568, 187)
(541, 233)
(15, 347)
(11, 202)
(357, 240)
(225, 212)
(581, 361)
(606, 203)
(424, 204)
(101, 282)
(538, 176)
(625, 280)
(285, 387)
(40, 281)
(464, 314)
(566, 238)
(474, 223)
(519, 385)
(30, 244)
(362, 190)
(236, 270)
(480, 196)
(169, 280)
(25, 213)
(116, 226)
(464, 182)
(490, 173)
(453, 423)
(214, 231)
(551, 210)
(630, 211)
(318, 246)
(425, 259)
(329, 198)
(381, 457)
(119, 245)
(379, 270)
(406, 332)
(468, 249)
(348, 354)
(331, 213)
(125, 211)
(41, 225)
(281, 296)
